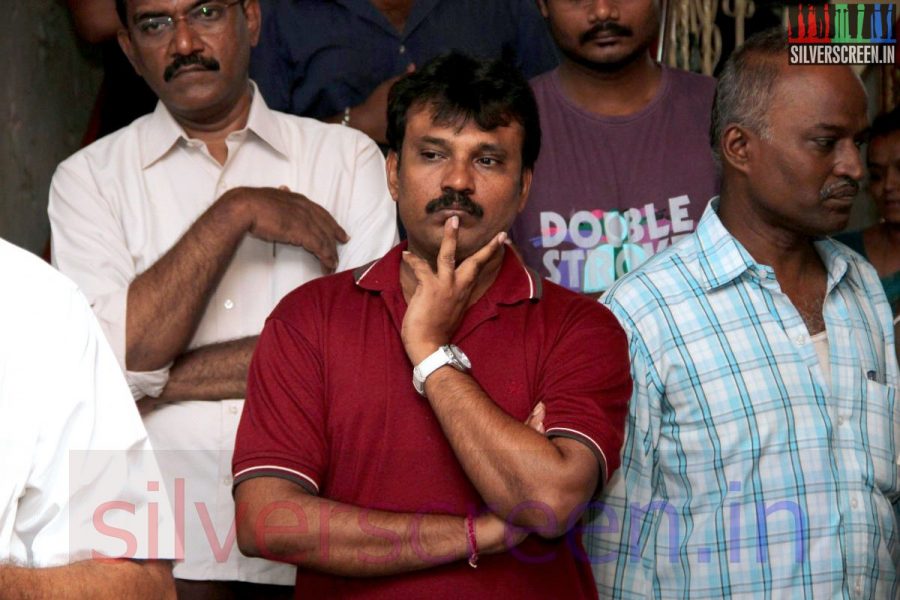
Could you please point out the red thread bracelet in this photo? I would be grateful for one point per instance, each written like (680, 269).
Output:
(473, 545)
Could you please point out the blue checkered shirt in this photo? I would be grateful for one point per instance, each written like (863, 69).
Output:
(745, 473)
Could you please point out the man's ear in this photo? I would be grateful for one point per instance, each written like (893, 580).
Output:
(524, 188)
(736, 147)
(254, 20)
(392, 167)
(542, 6)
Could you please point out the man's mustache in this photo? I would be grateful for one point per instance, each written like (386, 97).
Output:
(609, 27)
(841, 188)
(457, 201)
(187, 60)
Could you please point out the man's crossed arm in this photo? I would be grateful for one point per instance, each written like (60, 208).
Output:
(531, 480)
(99, 579)
(166, 302)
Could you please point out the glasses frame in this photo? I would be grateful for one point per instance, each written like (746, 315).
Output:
(164, 37)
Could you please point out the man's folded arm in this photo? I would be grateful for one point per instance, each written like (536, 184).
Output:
(279, 520)
(151, 317)
(530, 479)
(213, 372)
(535, 481)
(100, 580)
(166, 302)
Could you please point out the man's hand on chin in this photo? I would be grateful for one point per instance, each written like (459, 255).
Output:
(440, 299)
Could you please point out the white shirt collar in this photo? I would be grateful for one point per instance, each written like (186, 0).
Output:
(161, 131)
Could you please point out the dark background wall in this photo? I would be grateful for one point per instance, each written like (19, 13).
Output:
(49, 85)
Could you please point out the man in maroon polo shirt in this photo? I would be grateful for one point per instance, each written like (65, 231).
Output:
(384, 444)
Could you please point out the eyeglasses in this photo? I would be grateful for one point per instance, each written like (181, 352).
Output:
(208, 17)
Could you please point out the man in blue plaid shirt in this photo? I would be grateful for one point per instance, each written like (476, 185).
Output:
(762, 451)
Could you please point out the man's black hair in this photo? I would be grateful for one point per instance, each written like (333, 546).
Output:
(459, 89)
(885, 124)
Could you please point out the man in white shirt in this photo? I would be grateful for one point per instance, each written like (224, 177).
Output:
(187, 227)
(74, 456)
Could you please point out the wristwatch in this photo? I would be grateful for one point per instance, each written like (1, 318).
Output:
(445, 355)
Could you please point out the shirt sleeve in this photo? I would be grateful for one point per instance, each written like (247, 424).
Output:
(373, 229)
(94, 488)
(586, 383)
(616, 533)
(89, 246)
(282, 428)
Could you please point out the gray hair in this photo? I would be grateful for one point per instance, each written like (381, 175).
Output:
(745, 86)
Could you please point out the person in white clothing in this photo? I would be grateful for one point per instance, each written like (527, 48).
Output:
(186, 228)
(73, 451)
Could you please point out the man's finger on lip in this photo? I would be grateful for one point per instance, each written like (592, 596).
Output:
(447, 254)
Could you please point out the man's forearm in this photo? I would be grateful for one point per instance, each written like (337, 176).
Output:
(286, 524)
(113, 580)
(214, 372)
(166, 301)
(522, 475)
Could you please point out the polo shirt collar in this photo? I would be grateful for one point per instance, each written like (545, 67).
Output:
(515, 282)
(161, 132)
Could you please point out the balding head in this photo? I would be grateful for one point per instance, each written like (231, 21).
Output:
(745, 87)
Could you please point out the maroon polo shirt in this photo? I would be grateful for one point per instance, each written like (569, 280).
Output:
(331, 406)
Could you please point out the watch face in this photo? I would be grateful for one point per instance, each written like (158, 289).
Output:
(460, 357)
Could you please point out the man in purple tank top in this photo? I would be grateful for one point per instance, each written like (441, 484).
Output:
(626, 167)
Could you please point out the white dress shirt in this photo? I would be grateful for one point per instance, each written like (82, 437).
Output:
(75, 461)
(117, 206)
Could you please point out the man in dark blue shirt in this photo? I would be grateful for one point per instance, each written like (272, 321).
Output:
(335, 60)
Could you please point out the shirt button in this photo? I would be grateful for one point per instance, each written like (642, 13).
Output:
(229, 304)
(226, 480)
(854, 503)
(840, 421)
(402, 49)
(800, 339)
(232, 409)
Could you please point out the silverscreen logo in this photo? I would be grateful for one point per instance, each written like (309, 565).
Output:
(842, 34)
